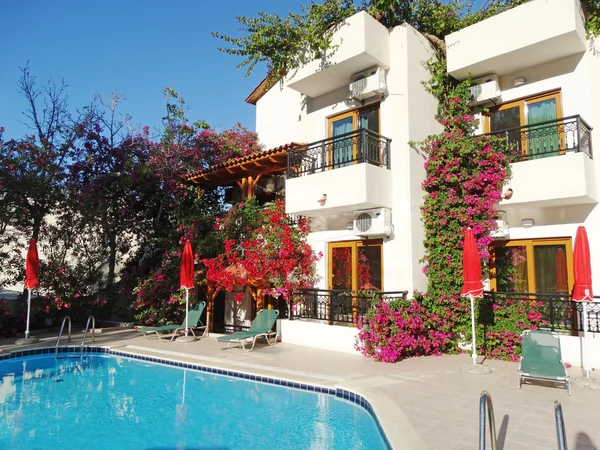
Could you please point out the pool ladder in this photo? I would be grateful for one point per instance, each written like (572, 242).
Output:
(485, 405)
(62, 327)
(87, 326)
(67, 319)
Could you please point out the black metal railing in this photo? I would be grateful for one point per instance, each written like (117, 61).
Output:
(551, 138)
(359, 146)
(336, 306)
(228, 328)
(558, 311)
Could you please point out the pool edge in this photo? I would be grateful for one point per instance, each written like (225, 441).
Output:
(391, 421)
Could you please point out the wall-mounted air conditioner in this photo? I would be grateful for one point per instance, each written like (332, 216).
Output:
(368, 83)
(485, 90)
(373, 222)
(501, 231)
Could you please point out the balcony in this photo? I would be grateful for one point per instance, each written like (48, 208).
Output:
(547, 153)
(359, 43)
(534, 33)
(340, 174)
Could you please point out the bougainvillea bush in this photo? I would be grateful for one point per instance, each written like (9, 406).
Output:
(264, 250)
(501, 323)
(399, 329)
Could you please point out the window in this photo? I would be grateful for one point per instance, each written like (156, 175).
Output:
(537, 266)
(344, 149)
(356, 265)
(546, 139)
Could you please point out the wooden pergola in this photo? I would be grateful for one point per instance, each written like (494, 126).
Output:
(245, 172)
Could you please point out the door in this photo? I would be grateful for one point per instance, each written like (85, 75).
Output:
(543, 266)
(353, 266)
(517, 122)
(343, 148)
(356, 265)
(349, 149)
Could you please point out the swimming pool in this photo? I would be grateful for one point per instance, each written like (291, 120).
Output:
(101, 400)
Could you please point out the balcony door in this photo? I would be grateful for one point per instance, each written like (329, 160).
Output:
(541, 266)
(356, 265)
(345, 146)
(518, 120)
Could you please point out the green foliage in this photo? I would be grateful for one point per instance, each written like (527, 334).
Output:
(592, 12)
(286, 44)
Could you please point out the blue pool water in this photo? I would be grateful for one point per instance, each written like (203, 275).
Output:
(101, 401)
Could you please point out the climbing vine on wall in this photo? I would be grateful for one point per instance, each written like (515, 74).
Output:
(465, 174)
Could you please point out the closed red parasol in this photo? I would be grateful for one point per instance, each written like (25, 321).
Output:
(32, 273)
(472, 285)
(186, 277)
(582, 269)
(582, 289)
(32, 266)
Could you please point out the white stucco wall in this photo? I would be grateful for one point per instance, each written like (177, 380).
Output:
(278, 117)
(557, 31)
(406, 113)
(317, 335)
(370, 187)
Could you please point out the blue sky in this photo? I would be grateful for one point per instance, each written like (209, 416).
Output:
(136, 46)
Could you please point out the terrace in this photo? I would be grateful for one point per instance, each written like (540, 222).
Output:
(410, 398)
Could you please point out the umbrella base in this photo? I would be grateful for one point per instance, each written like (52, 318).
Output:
(27, 340)
(476, 369)
(185, 339)
(589, 383)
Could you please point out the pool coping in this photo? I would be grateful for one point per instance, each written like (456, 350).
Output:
(397, 434)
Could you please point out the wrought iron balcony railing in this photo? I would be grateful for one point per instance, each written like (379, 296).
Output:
(336, 306)
(557, 311)
(551, 138)
(359, 146)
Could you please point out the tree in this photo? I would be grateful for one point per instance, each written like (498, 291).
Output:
(33, 169)
(111, 185)
(37, 165)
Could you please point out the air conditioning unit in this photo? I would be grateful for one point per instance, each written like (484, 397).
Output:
(368, 83)
(373, 222)
(501, 231)
(485, 90)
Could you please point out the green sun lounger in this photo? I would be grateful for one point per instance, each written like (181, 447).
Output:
(541, 359)
(194, 322)
(261, 326)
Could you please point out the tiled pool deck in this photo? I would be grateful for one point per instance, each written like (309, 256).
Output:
(421, 403)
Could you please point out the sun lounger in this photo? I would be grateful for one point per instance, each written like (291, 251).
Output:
(541, 359)
(261, 326)
(194, 322)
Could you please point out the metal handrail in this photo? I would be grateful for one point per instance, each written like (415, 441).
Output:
(561, 435)
(62, 326)
(485, 402)
(87, 325)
